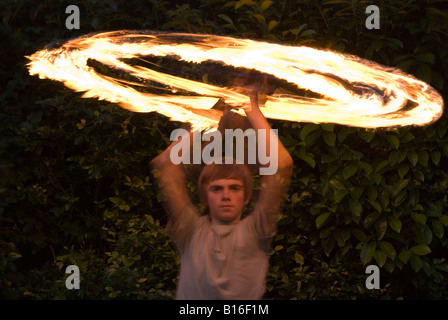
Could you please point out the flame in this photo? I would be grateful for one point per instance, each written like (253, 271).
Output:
(384, 103)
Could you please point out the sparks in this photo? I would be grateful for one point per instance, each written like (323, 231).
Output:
(384, 103)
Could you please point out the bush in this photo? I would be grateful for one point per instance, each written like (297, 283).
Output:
(76, 186)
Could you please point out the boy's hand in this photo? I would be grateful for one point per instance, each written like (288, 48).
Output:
(254, 99)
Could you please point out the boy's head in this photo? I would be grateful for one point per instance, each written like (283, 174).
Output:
(225, 189)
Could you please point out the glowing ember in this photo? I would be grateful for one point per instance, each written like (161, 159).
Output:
(385, 97)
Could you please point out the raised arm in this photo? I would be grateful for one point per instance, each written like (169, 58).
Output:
(171, 180)
(274, 186)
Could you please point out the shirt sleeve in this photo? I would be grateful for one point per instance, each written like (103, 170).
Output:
(255, 223)
(181, 229)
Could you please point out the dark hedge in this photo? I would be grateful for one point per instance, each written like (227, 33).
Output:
(76, 188)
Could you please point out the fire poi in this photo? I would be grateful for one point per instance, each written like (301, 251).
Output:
(349, 90)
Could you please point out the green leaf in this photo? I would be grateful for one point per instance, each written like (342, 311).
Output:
(367, 167)
(381, 165)
(95, 23)
(426, 57)
(309, 160)
(367, 135)
(325, 233)
(320, 220)
(427, 232)
(356, 193)
(330, 138)
(337, 184)
(423, 157)
(272, 24)
(377, 44)
(229, 4)
(370, 219)
(12, 256)
(128, 261)
(316, 208)
(342, 235)
(394, 223)
(396, 42)
(349, 171)
(381, 227)
(367, 252)
(380, 257)
(226, 18)
(412, 157)
(308, 32)
(311, 138)
(400, 198)
(339, 194)
(375, 205)
(260, 17)
(339, 237)
(403, 170)
(241, 3)
(400, 185)
(355, 208)
(109, 214)
(444, 220)
(328, 245)
(358, 234)
(372, 193)
(438, 228)
(327, 126)
(393, 140)
(405, 255)
(407, 64)
(416, 263)
(298, 258)
(420, 218)
(435, 156)
(328, 158)
(278, 247)
(307, 129)
(421, 249)
(407, 137)
(265, 5)
(424, 72)
(388, 249)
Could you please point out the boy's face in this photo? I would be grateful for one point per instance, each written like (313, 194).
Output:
(225, 199)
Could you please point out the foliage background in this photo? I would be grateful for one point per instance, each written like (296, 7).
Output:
(75, 186)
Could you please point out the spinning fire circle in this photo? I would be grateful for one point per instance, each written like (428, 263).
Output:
(352, 91)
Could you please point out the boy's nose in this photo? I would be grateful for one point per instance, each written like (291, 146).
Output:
(225, 194)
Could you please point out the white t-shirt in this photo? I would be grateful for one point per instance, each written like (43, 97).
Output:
(220, 261)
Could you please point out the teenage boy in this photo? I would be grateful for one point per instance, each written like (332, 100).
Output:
(222, 254)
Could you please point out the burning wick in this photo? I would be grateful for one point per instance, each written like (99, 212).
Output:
(388, 96)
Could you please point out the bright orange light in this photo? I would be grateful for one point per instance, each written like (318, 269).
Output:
(386, 103)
